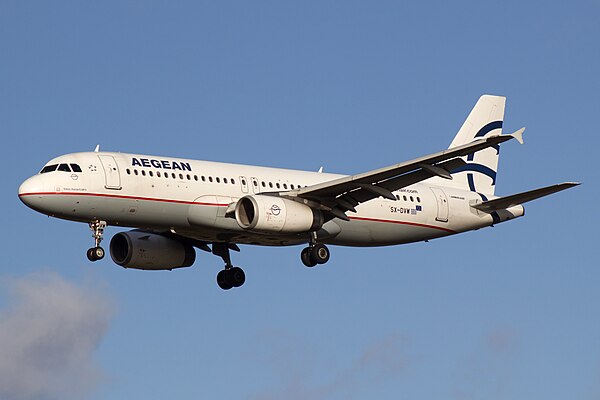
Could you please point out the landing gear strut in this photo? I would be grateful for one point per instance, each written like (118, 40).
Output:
(96, 253)
(231, 276)
(315, 253)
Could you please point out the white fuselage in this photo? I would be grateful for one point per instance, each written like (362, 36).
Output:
(191, 198)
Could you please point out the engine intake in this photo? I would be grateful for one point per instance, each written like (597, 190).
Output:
(149, 251)
(271, 214)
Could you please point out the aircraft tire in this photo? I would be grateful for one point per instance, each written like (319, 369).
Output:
(95, 254)
(320, 254)
(238, 277)
(224, 279)
(98, 253)
(90, 254)
(306, 257)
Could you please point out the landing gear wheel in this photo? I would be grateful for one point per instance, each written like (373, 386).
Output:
(95, 253)
(319, 254)
(238, 277)
(224, 279)
(98, 253)
(90, 255)
(306, 258)
(231, 276)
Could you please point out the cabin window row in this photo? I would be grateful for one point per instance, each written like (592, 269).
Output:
(210, 179)
(276, 185)
(173, 175)
(406, 198)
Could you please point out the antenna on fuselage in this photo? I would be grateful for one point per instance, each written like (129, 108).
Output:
(97, 149)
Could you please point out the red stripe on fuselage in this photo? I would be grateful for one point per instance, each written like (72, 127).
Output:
(119, 196)
(391, 221)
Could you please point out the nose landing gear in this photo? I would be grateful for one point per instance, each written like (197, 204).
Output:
(96, 253)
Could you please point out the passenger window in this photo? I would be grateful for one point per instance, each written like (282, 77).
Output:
(196, 178)
(173, 175)
(263, 184)
(404, 197)
(285, 185)
(128, 171)
(135, 171)
(143, 172)
(418, 199)
(292, 186)
(411, 198)
(218, 179)
(224, 180)
(244, 182)
(158, 174)
(188, 177)
(397, 197)
(64, 168)
(75, 168)
(277, 185)
(49, 168)
(203, 178)
(181, 176)
(210, 179)
(232, 181)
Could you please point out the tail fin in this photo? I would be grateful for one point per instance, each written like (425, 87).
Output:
(486, 118)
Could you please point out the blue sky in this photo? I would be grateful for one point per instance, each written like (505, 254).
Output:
(505, 312)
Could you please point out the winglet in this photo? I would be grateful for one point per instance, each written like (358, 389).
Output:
(97, 149)
(518, 135)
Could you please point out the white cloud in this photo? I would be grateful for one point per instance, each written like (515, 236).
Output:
(48, 334)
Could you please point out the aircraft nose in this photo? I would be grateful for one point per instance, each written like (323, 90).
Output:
(31, 190)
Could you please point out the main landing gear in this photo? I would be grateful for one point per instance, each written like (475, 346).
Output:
(314, 254)
(96, 253)
(231, 276)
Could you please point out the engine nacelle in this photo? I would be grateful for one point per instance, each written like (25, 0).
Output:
(272, 214)
(143, 250)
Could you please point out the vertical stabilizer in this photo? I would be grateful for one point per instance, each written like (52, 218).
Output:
(486, 118)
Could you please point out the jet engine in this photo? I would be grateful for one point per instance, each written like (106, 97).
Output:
(271, 214)
(149, 251)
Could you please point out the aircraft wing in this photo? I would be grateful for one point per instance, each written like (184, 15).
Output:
(520, 198)
(344, 194)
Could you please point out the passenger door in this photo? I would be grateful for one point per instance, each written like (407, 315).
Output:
(111, 172)
(442, 204)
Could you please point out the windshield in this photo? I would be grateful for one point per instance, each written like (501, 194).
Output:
(61, 167)
(49, 168)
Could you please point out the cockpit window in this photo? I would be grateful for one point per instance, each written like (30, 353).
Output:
(64, 168)
(49, 168)
(75, 168)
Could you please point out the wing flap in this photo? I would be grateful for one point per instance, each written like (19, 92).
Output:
(361, 195)
(337, 187)
(502, 203)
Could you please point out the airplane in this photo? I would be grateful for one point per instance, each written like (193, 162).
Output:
(176, 205)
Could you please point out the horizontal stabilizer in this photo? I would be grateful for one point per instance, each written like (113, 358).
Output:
(502, 203)
(518, 135)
